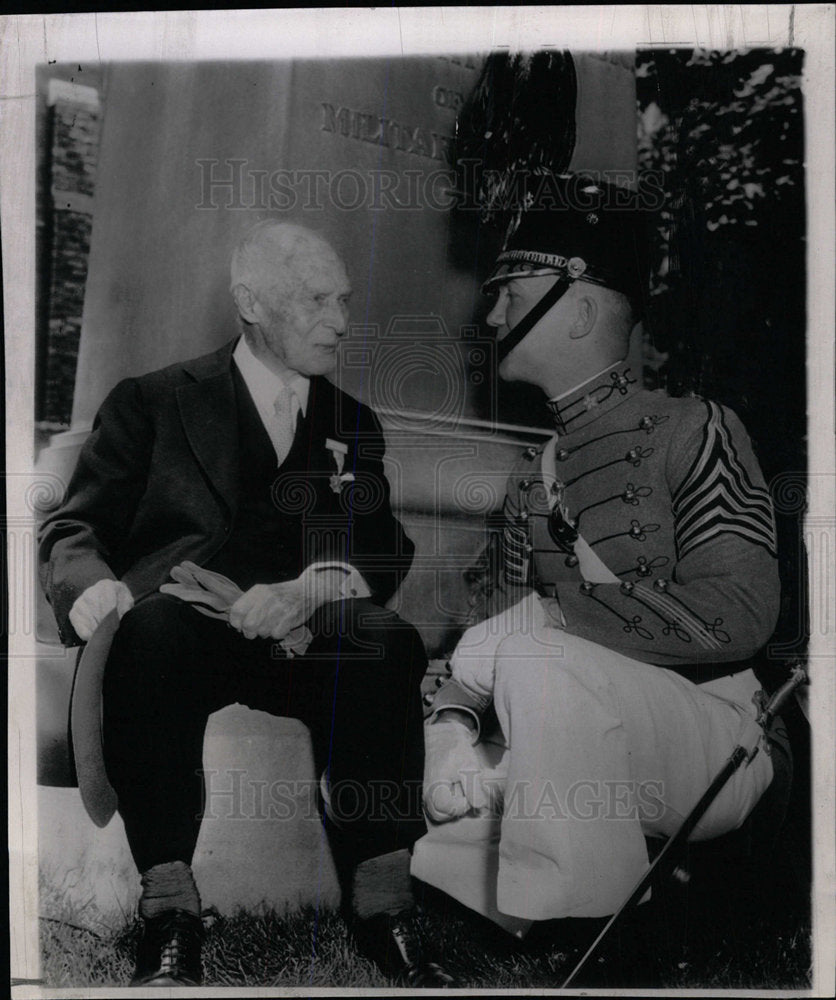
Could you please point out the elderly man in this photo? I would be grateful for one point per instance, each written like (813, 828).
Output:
(259, 487)
(642, 578)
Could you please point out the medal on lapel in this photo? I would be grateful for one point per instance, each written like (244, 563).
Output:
(339, 478)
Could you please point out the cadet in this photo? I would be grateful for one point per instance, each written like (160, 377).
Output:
(639, 554)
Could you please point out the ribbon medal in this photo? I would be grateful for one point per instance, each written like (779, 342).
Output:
(339, 478)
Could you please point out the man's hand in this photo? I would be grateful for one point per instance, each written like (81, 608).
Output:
(452, 771)
(95, 604)
(266, 610)
(272, 610)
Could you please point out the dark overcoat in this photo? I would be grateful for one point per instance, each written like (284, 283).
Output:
(157, 482)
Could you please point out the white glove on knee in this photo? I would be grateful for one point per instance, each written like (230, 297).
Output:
(95, 604)
(452, 772)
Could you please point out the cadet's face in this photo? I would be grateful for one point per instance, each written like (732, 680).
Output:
(516, 298)
(304, 323)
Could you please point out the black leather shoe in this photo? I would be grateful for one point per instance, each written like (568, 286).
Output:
(169, 952)
(396, 945)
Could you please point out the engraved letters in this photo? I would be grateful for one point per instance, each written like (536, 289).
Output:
(381, 131)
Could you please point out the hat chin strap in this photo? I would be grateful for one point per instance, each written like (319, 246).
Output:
(531, 318)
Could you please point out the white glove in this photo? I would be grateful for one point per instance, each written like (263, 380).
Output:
(203, 589)
(95, 604)
(452, 772)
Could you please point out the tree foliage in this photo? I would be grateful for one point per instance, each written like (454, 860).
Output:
(724, 132)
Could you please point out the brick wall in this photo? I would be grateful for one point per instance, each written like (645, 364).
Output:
(72, 137)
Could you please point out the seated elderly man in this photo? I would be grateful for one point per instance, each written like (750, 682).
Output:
(226, 485)
(639, 548)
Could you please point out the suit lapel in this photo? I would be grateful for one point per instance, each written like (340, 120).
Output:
(210, 420)
(209, 414)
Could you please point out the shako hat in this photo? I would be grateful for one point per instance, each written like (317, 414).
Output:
(590, 231)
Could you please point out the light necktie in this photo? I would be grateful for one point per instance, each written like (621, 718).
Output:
(281, 427)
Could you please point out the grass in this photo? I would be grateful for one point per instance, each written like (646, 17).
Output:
(714, 933)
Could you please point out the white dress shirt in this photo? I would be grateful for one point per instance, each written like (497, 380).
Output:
(264, 385)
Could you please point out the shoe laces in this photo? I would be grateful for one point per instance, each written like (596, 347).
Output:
(170, 956)
(406, 940)
(420, 971)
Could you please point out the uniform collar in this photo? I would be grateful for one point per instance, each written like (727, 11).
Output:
(593, 398)
(264, 384)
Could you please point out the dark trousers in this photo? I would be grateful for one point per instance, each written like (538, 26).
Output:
(357, 688)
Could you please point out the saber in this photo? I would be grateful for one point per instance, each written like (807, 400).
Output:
(744, 751)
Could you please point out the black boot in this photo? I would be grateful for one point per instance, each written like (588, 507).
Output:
(169, 952)
(395, 944)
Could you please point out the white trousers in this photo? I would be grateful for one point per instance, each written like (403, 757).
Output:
(595, 751)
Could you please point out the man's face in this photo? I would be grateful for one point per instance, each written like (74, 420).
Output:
(306, 315)
(515, 299)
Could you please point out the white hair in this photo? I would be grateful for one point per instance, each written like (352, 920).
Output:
(265, 256)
